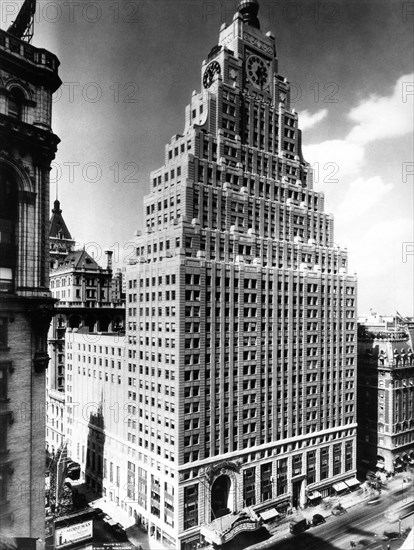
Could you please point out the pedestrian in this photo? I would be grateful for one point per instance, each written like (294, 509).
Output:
(388, 547)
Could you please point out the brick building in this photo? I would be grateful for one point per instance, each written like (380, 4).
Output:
(28, 78)
(385, 393)
(241, 317)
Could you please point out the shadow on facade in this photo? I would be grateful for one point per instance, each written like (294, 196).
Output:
(94, 471)
(367, 405)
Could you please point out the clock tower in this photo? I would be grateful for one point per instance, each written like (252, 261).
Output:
(241, 305)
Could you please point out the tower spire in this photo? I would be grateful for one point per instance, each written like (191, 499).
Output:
(249, 10)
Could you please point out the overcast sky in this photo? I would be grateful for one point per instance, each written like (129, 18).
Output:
(129, 67)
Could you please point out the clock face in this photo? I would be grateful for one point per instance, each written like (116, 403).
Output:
(257, 71)
(212, 69)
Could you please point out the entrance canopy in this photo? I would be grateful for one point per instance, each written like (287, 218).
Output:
(269, 514)
(353, 482)
(224, 529)
(314, 495)
(340, 486)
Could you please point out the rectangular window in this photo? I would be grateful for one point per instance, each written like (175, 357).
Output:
(3, 332)
(4, 469)
(4, 370)
(3, 433)
(190, 506)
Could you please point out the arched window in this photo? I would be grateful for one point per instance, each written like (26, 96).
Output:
(15, 104)
(8, 218)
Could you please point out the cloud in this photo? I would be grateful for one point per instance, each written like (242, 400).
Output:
(384, 117)
(361, 195)
(379, 249)
(333, 160)
(376, 118)
(307, 120)
(385, 279)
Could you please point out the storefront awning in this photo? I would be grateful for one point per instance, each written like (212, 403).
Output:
(353, 482)
(269, 514)
(340, 486)
(314, 495)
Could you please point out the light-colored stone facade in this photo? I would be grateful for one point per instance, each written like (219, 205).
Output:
(97, 415)
(241, 313)
(240, 363)
(83, 290)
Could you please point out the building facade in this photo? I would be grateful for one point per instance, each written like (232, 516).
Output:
(28, 78)
(60, 239)
(118, 288)
(83, 290)
(241, 324)
(385, 393)
(97, 418)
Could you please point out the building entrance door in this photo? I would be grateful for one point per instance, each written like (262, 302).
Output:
(220, 496)
(296, 493)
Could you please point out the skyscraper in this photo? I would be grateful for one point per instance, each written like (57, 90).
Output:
(240, 311)
(28, 78)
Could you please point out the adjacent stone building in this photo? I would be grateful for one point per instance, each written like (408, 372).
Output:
(385, 393)
(84, 293)
(28, 78)
(97, 415)
(60, 239)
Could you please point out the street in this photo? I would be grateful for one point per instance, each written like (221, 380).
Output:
(362, 524)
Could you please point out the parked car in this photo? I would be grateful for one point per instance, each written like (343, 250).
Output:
(338, 510)
(298, 525)
(318, 519)
(373, 501)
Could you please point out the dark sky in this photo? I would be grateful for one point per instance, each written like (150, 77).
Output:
(129, 67)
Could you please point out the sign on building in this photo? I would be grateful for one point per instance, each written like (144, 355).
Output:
(78, 532)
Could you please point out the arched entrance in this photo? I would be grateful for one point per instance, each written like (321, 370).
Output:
(220, 492)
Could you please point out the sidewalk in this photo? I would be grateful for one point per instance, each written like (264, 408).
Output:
(135, 535)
